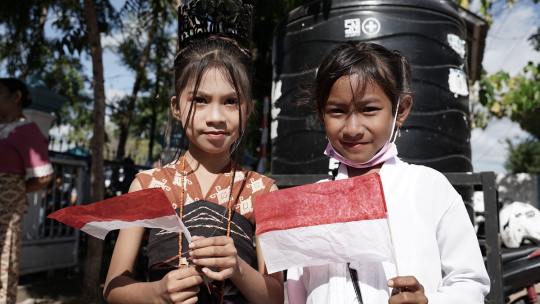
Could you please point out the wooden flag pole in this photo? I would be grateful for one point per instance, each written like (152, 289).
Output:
(393, 246)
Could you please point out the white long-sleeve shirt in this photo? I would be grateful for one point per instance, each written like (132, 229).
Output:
(434, 241)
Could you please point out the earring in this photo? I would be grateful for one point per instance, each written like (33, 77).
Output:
(326, 137)
(399, 132)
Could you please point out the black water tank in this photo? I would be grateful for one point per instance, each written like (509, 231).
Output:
(429, 33)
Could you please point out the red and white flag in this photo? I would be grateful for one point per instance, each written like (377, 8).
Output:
(324, 223)
(146, 208)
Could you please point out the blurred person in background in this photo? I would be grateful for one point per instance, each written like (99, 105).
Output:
(24, 168)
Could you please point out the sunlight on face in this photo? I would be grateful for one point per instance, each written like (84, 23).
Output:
(214, 122)
(357, 126)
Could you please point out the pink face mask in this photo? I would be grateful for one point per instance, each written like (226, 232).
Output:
(388, 151)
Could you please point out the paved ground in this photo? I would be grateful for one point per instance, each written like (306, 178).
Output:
(63, 286)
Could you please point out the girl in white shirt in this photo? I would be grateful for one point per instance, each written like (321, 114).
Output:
(362, 97)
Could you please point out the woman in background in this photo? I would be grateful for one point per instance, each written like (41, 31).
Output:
(24, 168)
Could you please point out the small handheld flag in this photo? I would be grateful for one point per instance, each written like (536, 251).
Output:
(324, 223)
(146, 208)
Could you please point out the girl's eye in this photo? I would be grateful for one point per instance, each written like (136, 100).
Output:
(231, 101)
(335, 111)
(370, 109)
(199, 100)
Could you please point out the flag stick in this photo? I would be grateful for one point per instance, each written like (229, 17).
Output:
(205, 282)
(393, 247)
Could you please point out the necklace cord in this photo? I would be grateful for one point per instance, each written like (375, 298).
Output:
(229, 206)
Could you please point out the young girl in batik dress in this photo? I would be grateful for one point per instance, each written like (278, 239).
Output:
(213, 74)
(361, 94)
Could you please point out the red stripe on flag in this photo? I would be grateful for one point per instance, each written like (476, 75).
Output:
(139, 205)
(353, 199)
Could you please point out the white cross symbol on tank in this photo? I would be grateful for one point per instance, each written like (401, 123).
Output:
(371, 26)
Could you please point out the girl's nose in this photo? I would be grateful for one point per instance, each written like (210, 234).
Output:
(216, 114)
(354, 126)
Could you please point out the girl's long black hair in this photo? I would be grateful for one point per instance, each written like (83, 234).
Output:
(221, 52)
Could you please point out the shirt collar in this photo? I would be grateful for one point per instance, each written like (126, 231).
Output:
(386, 168)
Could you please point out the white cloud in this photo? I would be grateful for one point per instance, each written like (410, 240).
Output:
(113, 95)
(108, 41)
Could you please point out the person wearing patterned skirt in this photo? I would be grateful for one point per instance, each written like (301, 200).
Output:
(24, 168)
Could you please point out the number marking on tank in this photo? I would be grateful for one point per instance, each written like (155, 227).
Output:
(352, 28)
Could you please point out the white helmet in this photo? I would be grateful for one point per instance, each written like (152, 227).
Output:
(519, 221)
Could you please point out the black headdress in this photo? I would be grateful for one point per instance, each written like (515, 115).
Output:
(230, 17)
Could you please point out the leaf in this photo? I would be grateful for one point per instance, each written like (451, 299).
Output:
(496, 107)
(510, 84)
(482, 96)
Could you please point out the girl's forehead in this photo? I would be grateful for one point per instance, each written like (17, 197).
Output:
(356, 88)
(213, 78)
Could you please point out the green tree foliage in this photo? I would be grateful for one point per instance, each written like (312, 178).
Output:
(22, 45)
(486, 7)
(535, 40)
(515, 97)
(65, 76)
(524, 157)
(26, 51)
(144, 27)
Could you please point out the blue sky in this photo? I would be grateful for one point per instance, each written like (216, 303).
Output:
(507, 49)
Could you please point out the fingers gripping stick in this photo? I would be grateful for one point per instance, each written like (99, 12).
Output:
(185, 264)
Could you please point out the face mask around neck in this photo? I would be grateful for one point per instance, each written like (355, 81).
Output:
(388, 151)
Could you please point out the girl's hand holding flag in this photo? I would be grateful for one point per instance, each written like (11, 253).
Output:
(406, 290)
(216, 252)
(179, 286)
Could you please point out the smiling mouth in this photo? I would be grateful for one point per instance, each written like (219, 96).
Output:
(353, 144)
(216, 134)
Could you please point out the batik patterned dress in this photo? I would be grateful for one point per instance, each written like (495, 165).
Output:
(23, 155)
(205, 216)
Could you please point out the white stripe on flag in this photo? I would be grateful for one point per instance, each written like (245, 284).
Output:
(100, 229)
(366, 241)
